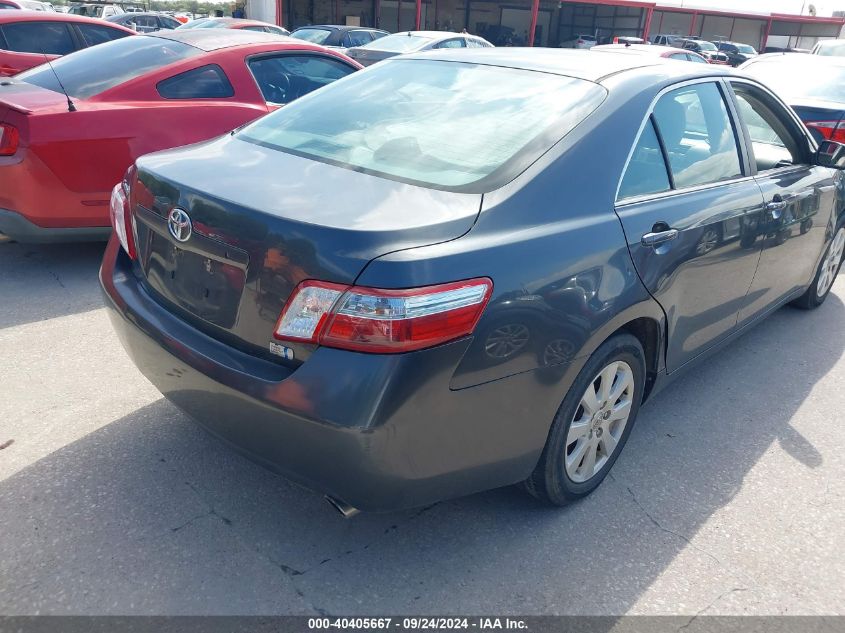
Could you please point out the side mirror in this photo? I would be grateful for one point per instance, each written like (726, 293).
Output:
(831, 154)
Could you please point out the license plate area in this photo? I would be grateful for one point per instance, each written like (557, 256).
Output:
(203, 276)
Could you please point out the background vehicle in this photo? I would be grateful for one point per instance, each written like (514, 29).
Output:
(580, 41)
(669, 39)
(180, 87)
(145, 22)
(668, 52)
(830, 48)
(338, 36)
(488, 272)
(813, 85)
(235, 23)
(29, 38)
(737, 52)
(412, 42)
(627, 39)
(707, 50)
(96, 10)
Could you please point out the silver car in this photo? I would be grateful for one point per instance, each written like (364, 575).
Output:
(412, 42)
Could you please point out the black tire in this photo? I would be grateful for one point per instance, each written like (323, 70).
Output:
(811, 299)
(549, 482)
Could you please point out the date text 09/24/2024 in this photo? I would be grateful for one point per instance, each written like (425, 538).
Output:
(417, 623)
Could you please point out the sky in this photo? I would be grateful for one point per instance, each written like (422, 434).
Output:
(823, 7)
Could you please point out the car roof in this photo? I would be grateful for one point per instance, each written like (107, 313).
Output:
(434, 35)
(49, 16)
(642, 49)
(216, 39)
(135, 14)
(581, 64)
(798, 58)
(339, 27)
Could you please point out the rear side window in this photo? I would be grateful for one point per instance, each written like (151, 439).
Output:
(51, 38)
(94, 34)
(315, 36)
(284, 78)
(169, 23)
(697, 135)
(206, 82)
(94, 70)
(458, 42)
(646, 173)
(447, 125)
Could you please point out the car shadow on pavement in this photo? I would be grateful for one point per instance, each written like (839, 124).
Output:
(45, 281)
(152, 515)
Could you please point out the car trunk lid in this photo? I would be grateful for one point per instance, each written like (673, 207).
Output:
(259, 230)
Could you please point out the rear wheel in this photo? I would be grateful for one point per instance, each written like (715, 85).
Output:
(592, 424)
(825, 275)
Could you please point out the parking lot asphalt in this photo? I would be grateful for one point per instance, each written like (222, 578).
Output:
(728, 499)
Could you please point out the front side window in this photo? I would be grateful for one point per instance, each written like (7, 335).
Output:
(206, 82)
(447, 125)
(697, 135)
(50, 38)
(773, 144)
(357, 38)
(284, 78)
(91, 71)
(646, 172)
(94, 34)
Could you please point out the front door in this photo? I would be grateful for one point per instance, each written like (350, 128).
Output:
(690, 210)
(798, 197)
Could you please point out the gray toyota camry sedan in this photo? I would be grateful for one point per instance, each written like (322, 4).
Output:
(457, 271)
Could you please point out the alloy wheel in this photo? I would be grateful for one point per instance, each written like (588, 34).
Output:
(830, 265)
(599, 421)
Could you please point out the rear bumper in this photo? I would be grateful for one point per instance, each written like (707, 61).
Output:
(20, 229)
(380, 432)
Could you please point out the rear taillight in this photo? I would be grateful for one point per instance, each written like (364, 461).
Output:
(9, 139)
(382, 321)
(830, 130)
(121, 216)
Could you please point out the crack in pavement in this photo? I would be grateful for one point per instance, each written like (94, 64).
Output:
(710, 604)
(291, 572)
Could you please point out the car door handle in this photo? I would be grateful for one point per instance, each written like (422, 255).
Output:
(656, 239)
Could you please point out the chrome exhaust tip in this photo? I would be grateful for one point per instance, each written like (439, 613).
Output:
(341, 506)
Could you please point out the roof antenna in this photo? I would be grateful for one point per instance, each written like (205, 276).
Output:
(70, 106)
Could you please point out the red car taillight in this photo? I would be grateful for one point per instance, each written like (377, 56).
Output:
(382, 321)
(9, 139)
(121, 216)
(830, 130)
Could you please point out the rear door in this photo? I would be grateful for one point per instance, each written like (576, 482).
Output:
(690, 207)
(798, 197)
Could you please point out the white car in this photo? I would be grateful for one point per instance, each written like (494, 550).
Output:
(96, 10)
(580, 41)
(830, 48)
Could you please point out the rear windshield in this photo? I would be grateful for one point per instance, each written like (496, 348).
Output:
(399, 43)
(447, 125)
(93, 70)
(315, 36)
(808, 79)
(706, 46)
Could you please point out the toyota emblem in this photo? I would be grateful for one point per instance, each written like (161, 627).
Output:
(179, 224)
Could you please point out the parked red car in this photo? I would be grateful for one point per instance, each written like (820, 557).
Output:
(27, 38)
(60, 156)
